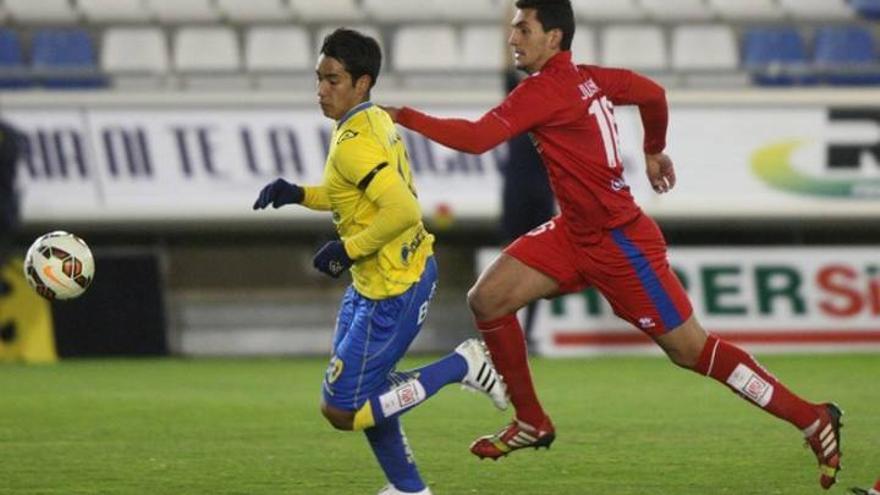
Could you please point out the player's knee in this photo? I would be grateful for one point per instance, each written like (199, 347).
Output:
(341, 420)
(483, 304)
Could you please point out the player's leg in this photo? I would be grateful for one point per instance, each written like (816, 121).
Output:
(646, 292)
(361, 390)
(738, 370)
(537, 265)
(367, 346)
(389, 445)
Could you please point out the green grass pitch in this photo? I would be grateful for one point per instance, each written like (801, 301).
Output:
(625, 426)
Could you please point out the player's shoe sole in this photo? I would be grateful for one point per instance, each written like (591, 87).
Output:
(515, 436)
(390, 490)
(823, 438)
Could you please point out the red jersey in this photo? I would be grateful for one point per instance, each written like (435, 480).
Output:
(569, 111)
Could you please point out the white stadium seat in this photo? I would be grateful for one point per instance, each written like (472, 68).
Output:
(206, 49)
(818, 10)
(677, 10)
(138, 50)
(738, 10)
(470, 10)
(708, 47)
(327, 10)
(639, 47)
(583, 46)
(425, 48)
(607, 10)
(400, 10)
(370, 31)
(278, 49)
(42, 11)
(245, 11)
(483, 47)
(114, 10)
(181, 11)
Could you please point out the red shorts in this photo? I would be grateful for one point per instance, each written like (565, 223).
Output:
(628, 266)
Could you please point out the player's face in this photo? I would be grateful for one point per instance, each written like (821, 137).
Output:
(337, 93)
(532, 47)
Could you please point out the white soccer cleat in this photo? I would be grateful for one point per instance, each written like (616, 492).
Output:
(390, 490)
(481, 375)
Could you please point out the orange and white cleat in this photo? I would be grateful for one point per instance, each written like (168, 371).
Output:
(823, 437)
(517, 435)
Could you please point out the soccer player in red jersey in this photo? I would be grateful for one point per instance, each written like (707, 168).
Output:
(601, 238)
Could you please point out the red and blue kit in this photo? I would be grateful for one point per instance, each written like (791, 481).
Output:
(601, 237)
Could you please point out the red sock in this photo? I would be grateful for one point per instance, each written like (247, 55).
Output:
(738, 370)
(504, 338)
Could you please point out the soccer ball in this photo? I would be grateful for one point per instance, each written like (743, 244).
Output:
(59, 265)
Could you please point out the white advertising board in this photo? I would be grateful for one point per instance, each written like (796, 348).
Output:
(206, 160)
(765, 299)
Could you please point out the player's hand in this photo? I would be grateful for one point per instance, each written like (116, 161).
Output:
(391, 111)
(279, 192)
(332, 259)
(661, 173)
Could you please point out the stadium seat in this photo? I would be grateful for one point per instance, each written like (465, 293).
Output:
(706, 47)
(607, 10)
(278, 49)
(469, 10)
(847, 55)
(866, 8)
(114, 10)
(255, 10)
(182, 11)
(817, 10)
(583, 46)
(41, 12)
(776, 56)
(135, 56)
(206, 49)
(328, 10)
(65, 58)
(640, 47)
(425, 48)
(677, 10)
(739, 10)
(13, 73)
(483, 47)
(400, 10)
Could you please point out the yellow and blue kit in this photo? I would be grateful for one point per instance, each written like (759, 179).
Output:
(368, 187)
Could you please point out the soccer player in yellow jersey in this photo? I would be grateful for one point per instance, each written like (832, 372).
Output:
(368, 187)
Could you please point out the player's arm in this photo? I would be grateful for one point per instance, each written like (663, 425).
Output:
(398, 210)
(280, 192)
(625, 87)
(527, 106)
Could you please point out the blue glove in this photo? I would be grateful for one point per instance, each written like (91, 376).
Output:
(279, 192)
(332, 259)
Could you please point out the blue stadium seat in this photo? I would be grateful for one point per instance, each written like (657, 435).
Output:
(65, 58)
(13, 73)
(866, 8)
(847, 55)
(776, 56)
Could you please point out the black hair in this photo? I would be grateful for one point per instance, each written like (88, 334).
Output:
(358, 53)
(553, 14)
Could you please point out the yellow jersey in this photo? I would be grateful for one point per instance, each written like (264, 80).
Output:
(368, 186)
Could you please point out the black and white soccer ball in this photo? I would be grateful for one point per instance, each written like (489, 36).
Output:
(59, 265)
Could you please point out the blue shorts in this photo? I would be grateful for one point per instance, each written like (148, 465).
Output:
(371, 337)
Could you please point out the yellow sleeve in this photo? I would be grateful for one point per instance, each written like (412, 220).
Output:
(398, 211)
(357, 157)
(316, 198)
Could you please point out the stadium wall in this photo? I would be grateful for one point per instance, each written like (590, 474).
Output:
(176, 173)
